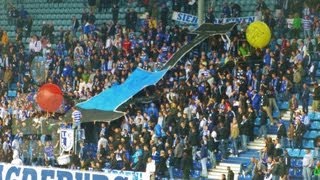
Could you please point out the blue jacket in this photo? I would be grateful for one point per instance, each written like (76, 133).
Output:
(204, 151)
(255, 101)
(135, 156)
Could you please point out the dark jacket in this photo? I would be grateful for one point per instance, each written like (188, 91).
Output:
(299, 130)
(316, 93)
(263, 118)
(223, 133)
(276, 169)
(194, 138)
(230, 175)
(204, 151)
(282, 132)
(161, 167)
(245, 128)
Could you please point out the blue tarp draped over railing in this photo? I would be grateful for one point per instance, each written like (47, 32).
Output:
(112, 98)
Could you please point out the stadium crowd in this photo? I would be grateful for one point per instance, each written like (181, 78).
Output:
(207, 103)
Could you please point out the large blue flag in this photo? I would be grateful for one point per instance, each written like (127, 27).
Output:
(112, 98)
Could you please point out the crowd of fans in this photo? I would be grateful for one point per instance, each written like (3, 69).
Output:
(207, 103)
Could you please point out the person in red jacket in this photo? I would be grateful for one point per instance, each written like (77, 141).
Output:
(126, 45)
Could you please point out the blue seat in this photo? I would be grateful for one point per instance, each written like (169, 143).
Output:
(276, 114)
(299, 172)
(315, 125)
(256, 131)
(315, 116)
(291, 172)
(311, 115)
(177, 173)
(298, 163)
(196, 165)
(311, 144)
(313, 153)
(302, 153)
(290, 151)
(311, 134)
(284, 105)
(308, 144)
(257, 122)
(244, 177)
(293, 162)
(195, 174)
(248, 177)
(295, 152)
(306, 135)
(209, 165)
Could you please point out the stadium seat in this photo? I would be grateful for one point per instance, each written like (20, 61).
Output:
(196, 165)
(177, 173)
(290, 151)
(313, 134)
(315, 116)
(299, 172)
(291, 172)
(302, 153)
(293, 162)
(195, 174)
(12, 93)
(295, 152)
(298, 163)
(315, 125)
(306, 134)
(276, 114)
(308, 144)
(209, 165)
(256, 131)
(257, 121)
(284, 105)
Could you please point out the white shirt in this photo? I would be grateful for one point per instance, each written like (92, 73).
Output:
(5, 147)
(307, 160)
(160, 120)
(35, 46)
(82, 85)
(229, 91)
(15, 144)
(203, 122)
(17, 162)
(102, 142)
(151, 167)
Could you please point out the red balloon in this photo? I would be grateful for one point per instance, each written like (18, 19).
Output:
(49, 97)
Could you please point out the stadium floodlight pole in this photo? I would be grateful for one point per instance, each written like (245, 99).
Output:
(200, 12)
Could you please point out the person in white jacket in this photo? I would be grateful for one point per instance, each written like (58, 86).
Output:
(16, 159)
(151, 168)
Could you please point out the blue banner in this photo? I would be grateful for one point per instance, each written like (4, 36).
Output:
(185, 18)
(248, 19)
(112, 98)
(9, 172)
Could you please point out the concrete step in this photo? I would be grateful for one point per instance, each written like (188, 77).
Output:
(214, 176)
(257, 143)
(230, 165)
(217, 176)
(255, 147)
(225, 167)
(223, 171)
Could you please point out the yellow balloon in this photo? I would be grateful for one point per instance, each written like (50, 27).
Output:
(258, 34)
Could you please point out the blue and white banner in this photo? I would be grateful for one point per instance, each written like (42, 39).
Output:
(248, 19)
(9, 172)
(185, 18)
(66, 139)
